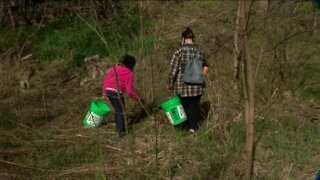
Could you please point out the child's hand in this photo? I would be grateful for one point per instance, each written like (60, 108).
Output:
(103, 98)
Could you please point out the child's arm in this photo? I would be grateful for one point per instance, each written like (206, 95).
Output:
(129, 88)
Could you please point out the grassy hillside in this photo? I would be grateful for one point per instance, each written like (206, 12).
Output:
(42, 135)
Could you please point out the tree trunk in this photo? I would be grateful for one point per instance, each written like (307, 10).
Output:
(248, 88)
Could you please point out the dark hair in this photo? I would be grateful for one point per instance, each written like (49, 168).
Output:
(187, 34)
(128, 61)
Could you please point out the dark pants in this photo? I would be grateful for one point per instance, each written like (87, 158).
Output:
(191, 105)
(118, 111)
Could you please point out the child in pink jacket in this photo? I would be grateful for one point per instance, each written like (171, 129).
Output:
(120, 79)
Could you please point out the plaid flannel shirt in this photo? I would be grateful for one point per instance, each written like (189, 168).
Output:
(177, 64)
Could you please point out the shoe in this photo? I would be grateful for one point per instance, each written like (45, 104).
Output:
(191, 130)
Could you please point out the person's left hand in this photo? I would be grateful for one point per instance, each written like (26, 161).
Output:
(103, 98)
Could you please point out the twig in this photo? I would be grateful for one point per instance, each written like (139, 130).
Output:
(27, 167)
(100, 34)
(289, 172)
(15, 137)
(44, 105)
(94, 29)
(54, 142)
(1, 77)
(116, 149)
(20, 49)
(258, 65)
(11, 18)
(17, 112)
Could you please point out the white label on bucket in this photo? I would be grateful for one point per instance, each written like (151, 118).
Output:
(169, 117)
(182, 114)
(93, 119)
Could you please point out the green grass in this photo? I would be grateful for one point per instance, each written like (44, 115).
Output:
(293, 141)
(308, 87)
(74, 37)
(64, 36)
(289, 141)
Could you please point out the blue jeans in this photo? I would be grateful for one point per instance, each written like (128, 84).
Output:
(118, 111)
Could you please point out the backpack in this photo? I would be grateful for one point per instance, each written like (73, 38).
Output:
(193, 72)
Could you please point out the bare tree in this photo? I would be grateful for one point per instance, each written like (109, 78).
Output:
(248, 80)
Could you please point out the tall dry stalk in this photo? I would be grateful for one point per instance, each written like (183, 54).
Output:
(1, 77)
(151, 114)
(44, 105)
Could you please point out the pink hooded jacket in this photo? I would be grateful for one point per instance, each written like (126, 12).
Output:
(125, 81)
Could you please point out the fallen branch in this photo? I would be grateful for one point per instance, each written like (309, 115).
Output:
(116, 149)
(25, 167)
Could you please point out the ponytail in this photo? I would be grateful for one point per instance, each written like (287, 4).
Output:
(187, 34)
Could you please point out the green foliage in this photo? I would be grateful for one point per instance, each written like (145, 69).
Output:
(77, 37)
(123, 34)
(65, 36)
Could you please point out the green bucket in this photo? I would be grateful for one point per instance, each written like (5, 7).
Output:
(98, 110)
(174, 111)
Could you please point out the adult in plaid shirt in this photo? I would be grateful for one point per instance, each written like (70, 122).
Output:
(190, 94)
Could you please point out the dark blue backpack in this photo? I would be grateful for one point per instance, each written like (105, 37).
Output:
(193, 72)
